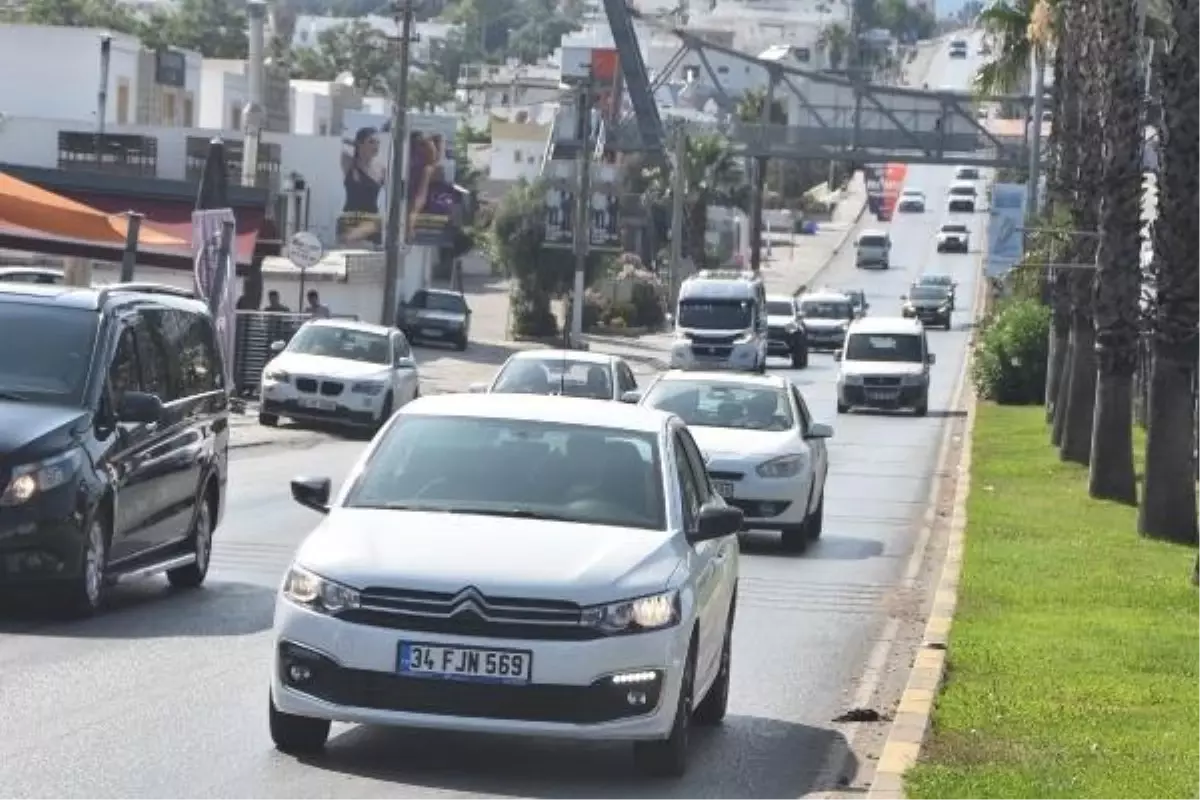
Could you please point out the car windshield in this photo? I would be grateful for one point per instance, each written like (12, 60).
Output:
(715, 314)
(927, 293)
(968, 174)
(780, 308)
(518, 468)
(45, 352)
(826, 309)
(723, 405)
(872, 241)
(569, 378)
(912, 193)
(334, 342)
(963, 191)
(935, 280)
(440, 301)
(954, 229)
(900, 347)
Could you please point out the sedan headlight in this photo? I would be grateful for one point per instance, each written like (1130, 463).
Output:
(319, 594)
(276, 374)
(781, 467)
(651, 613)
(369, 388)
(30, 480)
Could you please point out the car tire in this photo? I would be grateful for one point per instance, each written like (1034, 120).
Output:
(385, 413)
(815, 523)
(922, 409)
(667, 758)
(460, 343)
(85, 594)
(799, 358)
(270, 420)
(842, 408)
(793, 538)
(712, 709)
(297, 735)
(200, 539)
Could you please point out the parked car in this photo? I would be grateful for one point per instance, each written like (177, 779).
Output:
(437, 315)
(114, 438)
(340, 371)
(522, 566)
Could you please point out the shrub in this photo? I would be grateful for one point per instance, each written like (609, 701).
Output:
(596, 309)
(1010, 354)
(648, 295)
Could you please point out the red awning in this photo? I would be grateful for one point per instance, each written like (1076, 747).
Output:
(175, 218)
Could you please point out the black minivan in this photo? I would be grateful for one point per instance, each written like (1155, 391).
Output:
(114, 437)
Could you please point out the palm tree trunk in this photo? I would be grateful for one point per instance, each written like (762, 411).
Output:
(1168, 509)
(1060, 347)
(1080, 391)
(697, 228)
(1118, 271)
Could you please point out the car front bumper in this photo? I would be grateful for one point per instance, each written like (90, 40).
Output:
(952, 246)
(685, 355)
(828, 339)
(42, 540)
(882, 397)
(353, 677)
(347, 408)
(766, 502)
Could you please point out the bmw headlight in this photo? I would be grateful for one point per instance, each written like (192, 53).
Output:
(30, 480)
(319, 594)
(650, 613)
(369, 388)
(782, 467)
(276, 374)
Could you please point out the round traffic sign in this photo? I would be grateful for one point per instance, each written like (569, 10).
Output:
(305, 250)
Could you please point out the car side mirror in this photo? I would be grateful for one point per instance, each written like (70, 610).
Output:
(837, 355)
(469, 312)
(477, 388)
(278, 345)
(930, 358)
(903, 297)
(716, 521)
(633, 396)
(404, 362)
(312, 493)
(819, 430)
(139, 407)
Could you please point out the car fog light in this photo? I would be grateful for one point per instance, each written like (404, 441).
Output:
(626, 678)
(299, 673)
(636, 698)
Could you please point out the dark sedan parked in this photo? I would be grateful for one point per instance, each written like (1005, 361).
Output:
(437, 315)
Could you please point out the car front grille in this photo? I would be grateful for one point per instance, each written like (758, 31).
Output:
(306, 385)
(469, 613)
(332, 388)
(881, 381)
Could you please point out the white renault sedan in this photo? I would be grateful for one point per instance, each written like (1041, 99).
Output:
(340, 371)
(764, 452)
(569, 373)
(513, 564)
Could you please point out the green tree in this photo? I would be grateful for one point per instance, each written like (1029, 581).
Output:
(835, 41)
(428, 91)
(110, 14)
(356, 48)
(515, 240)
(213, 28)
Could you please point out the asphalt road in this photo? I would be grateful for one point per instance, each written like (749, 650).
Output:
(165, 695)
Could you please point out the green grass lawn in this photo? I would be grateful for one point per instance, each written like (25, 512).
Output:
(1073, 656)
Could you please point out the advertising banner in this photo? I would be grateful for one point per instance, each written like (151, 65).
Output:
(366, 161)
(1006, 218)
(604, 230)
(216, 279)
(893, 184)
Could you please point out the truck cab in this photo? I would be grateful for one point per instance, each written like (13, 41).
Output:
(721, 322)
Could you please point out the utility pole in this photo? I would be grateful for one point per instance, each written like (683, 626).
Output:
(678, 191)
(395, 234)
(253, 116)
(760, 177)
(583, 211)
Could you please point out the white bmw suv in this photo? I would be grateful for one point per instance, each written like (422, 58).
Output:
(589, 594)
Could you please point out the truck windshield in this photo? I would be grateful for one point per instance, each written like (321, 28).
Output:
(716, 314)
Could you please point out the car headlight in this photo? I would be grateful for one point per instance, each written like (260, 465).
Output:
(746, 336)
(851, 380)
(310, 590)
(945, 306)
(275, 374)
(913, 380)
(650, 613)
(30, 480)
(369, 388)
(781, 467)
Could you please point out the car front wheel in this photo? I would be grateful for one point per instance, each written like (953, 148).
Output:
(667, 758)
(715, 705)
(295, 734)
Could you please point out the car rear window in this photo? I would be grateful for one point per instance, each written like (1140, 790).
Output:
(868, 240)
(962, 191)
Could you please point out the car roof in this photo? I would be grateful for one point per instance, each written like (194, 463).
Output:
(886, 325)
(727, 377)
(453, 292)
(834, 295)
(873, 232)
(351, 325)
(964, 185)
(583, 356)
(780, 298)
(98, 298)
(546, 408)
(912, 191)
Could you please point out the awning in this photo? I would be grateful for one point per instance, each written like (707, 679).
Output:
(175, 218)
(28, 211)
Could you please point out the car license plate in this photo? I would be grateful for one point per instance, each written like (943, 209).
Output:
(474, 664)
(431, 332)
(314, 402)
(724, 488)
(882, 394)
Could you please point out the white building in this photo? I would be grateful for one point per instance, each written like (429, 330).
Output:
(483, 87)
(225, 90)
(53, 72)
(429, 36)
(318, 107)
(517, 150)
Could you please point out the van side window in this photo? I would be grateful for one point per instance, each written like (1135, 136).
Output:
(154, 357)
(192, 337)
(123, 372)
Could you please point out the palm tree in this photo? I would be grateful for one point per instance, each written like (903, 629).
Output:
(835, 41)
(1006, 22)
(1118, 268)
(1168, 508)
(712, 176)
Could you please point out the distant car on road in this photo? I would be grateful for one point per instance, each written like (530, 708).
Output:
(911, 201)
(885, 365)
(763, 451)
(521, 566)
(437, 315)
(958, 48)
(954, 237)
(568, 373)
(339, 371)
(966, 174)
(961, 197)
(786, 335)
(826, 315)
(873, 248)
(932, 305)
(940, 280)
(858, 299)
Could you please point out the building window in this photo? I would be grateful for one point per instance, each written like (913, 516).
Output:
(517, 157)
(323, 128)
(803, 55)
(722, 70)
(169, 108)
(235, 117)
(123, 102)
(189, 111)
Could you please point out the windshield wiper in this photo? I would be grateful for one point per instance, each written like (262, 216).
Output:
(515, 513)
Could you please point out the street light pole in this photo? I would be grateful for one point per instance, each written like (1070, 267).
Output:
(583, 211)
(395, 235)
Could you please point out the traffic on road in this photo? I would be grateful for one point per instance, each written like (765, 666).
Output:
(562, 582)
